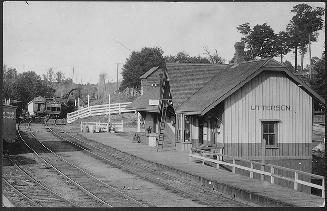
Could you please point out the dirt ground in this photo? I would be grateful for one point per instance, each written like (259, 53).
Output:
(125, 182)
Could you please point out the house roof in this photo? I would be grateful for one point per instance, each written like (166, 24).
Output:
(186, 79)
(149, 72)
(230, 80)
(39, 99)
(142, 102)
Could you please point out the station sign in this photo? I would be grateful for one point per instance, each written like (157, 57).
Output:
(153, 102)
(271, 107)
(8, 115)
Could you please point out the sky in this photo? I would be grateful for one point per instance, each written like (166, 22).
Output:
(92, 37)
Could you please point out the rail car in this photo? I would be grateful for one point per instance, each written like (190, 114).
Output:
(9, 126)
(41, 107)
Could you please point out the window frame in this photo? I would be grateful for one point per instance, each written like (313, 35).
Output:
(275, 133)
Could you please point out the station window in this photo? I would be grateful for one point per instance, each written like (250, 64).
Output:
(269, 133)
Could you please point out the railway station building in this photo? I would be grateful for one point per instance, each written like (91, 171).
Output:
(251, 109)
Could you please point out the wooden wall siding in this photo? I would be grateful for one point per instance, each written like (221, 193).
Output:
(149, 121)
(243, 125)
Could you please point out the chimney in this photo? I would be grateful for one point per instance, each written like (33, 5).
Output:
(239, 53)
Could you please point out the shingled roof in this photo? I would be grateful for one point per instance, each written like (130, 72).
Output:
(142, 102)
(230, 80)
(186, 79)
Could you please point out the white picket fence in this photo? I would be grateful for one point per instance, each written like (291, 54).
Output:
(103, 127)
(207, 156)
(97, 110)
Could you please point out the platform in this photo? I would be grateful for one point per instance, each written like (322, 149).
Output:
(238, 186)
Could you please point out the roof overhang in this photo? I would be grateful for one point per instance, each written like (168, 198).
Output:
(278, 68)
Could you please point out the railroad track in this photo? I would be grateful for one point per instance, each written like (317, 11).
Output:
(184, 186)
(96, 193)
(24, 189)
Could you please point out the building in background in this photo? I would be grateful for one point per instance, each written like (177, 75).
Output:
(258, 110)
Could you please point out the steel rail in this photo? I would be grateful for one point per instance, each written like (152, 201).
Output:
(59, 196)
(67, 177)
(21, 194)
(106, 184)
(151, 171)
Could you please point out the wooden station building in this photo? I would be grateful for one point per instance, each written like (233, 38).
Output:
(251, 109)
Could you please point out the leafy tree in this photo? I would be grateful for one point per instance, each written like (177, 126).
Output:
(9, 78)
(282, 45)
(214, 58)
(260, 41)
(318, 79)
(183, 57)
(289, 65)
(60, 76)
(138, 63)
(29, 85)
(303, 28)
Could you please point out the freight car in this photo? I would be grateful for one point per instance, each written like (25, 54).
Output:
(9, 124)
(44, 107)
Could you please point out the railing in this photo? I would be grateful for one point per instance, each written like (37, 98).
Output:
(203, 156)
(97, 110)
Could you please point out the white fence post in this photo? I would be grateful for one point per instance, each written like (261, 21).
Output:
(217, 163)
(262, 169)
(202, 156)
(122, 126)
(119, 108)
(251, 171)
(272, 171)
(234, 165)
(109, 110)
(138, 122)
(323, 188)
(296, 177)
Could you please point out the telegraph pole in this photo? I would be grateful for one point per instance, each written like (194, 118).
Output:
(117, 74)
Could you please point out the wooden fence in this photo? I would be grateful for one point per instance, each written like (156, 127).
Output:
(97, 110)
(207, 156)
(103, 127)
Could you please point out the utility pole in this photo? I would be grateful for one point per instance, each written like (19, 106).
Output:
(117, 74)
(73, 74)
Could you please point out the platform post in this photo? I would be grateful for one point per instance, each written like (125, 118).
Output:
(138, 122)
(272, 171)
(234, 165)
(251, 172)
(296, 177)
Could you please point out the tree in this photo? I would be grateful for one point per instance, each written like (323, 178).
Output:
(102, 84)
(50, 76)
(60, 77)
(318, 79)
(214, 58)
(289, 65)
(260, 41)
(29, 85)
(138, 63)
(9, 79)
(282, 45)
(303, 28)
(183, 57)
